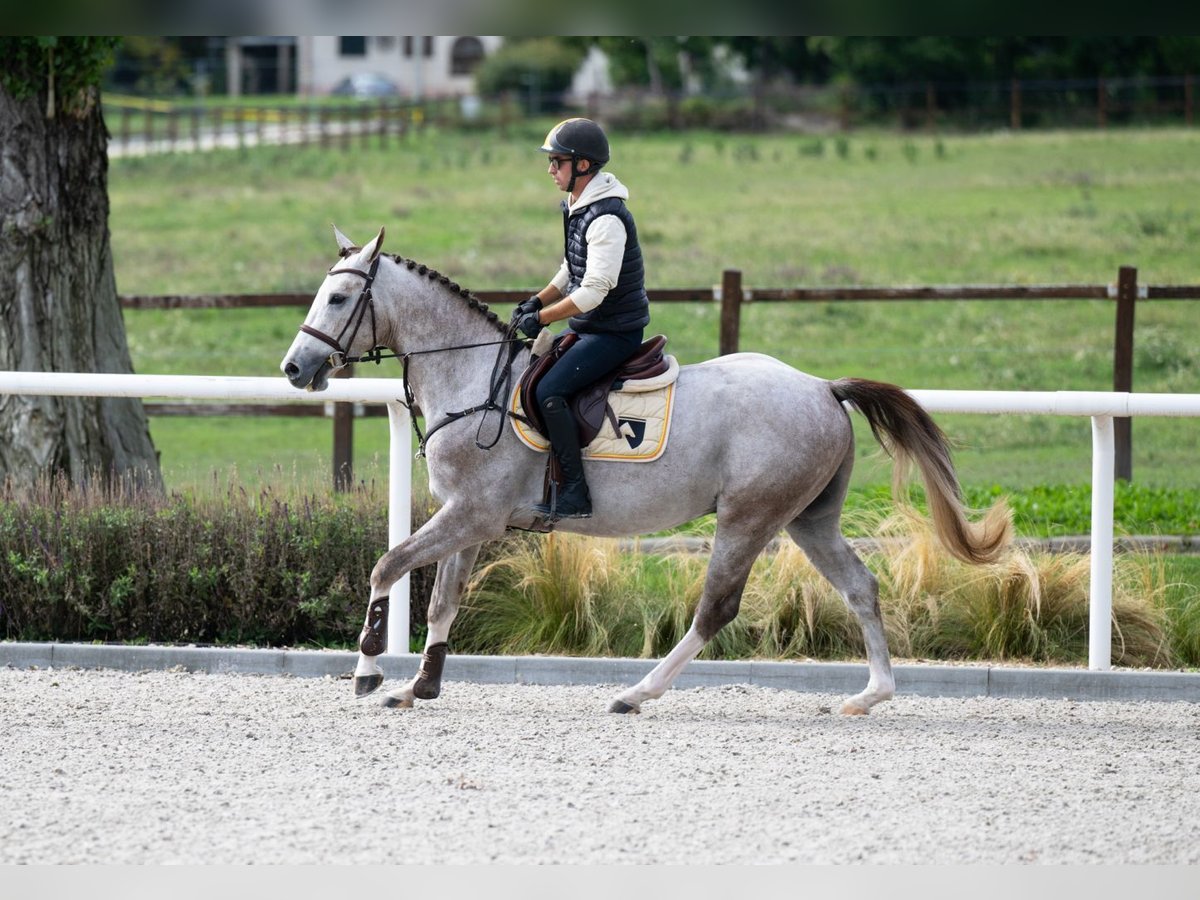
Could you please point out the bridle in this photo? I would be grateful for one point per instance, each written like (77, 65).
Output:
(501, 372)
(363, 305)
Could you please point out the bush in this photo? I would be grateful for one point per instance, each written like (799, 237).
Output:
(130, 566)
(273, 569)
(539, 70)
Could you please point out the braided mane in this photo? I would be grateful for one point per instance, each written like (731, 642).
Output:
(473, 302)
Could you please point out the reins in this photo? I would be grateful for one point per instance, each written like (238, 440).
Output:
(499, 381)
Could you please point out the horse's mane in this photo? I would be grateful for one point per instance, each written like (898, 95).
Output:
(473, 302)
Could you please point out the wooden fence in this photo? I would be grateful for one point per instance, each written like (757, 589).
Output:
(140, 125)
(732, 295)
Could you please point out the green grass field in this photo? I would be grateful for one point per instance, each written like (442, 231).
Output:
(789, 211)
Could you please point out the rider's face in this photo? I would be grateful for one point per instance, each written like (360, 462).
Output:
(559, 168)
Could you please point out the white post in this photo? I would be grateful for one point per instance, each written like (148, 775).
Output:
(399, 522)
(1100, 591)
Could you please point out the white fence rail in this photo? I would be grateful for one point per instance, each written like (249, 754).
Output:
(1100, 406)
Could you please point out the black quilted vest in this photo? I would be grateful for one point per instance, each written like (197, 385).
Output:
(626, 308)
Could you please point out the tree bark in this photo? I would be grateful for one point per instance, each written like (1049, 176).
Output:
(59, 310)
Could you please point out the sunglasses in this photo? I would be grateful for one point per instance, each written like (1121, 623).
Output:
(557, 161)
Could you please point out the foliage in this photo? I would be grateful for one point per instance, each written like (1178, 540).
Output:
(960, 58)
(285, 567)
(1057, 510)
(538, 69)
(119, 564)
(159, 62)
(76, 64)
(661, 62)
(572, 595)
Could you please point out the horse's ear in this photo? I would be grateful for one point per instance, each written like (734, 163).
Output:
(345, 245)
(372, 249)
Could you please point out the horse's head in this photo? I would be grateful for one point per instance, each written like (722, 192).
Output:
(340, 325)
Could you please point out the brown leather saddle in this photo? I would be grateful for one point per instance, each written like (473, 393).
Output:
(590, 405)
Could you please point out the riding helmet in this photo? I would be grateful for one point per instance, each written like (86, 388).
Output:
(580, 138)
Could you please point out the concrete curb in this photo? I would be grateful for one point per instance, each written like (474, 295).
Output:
(820, 677)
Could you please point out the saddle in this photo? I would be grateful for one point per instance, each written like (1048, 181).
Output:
(590, 406)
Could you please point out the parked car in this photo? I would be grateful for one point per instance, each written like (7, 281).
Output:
(366, 85)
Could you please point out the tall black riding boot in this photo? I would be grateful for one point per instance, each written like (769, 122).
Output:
(572, 500)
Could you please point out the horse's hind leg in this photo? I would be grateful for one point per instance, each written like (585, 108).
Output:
(452, 575)
(732, 557)
(818, 533)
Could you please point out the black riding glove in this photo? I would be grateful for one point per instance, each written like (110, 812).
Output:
(533, 304)
(529, 324)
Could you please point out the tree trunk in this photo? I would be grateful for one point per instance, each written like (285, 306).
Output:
(59, 310)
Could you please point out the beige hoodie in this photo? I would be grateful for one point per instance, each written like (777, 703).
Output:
(606, 245)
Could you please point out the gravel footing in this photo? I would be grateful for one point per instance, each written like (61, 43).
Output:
(158, 767)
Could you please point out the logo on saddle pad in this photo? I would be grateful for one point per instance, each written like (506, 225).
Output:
(633, 430)
(642, 419)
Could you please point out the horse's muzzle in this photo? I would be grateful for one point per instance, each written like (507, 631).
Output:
(310, 377)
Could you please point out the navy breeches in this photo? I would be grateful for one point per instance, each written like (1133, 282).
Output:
(587, 360)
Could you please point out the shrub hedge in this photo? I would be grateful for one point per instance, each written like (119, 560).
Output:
(269, 568)
(125, 566)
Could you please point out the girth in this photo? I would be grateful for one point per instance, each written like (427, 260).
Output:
(590, 405)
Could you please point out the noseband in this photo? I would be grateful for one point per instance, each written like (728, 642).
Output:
(362, 306)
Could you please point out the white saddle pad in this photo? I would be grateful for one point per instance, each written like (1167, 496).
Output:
(643, 413)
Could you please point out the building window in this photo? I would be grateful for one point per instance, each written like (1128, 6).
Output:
(385, 43)
(465, 55)
(352, 46)
(427, 46)
(408, 45)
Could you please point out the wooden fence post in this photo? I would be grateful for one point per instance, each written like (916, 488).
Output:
(1014, 110)
(1127, 291)
(343, 439)
(1101, 102)
(731, 303)
(1187, 99)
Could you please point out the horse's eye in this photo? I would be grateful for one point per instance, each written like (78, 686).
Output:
(337, 299)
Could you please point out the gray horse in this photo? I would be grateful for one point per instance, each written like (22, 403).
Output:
(763, 446)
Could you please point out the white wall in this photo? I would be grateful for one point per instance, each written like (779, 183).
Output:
(321, 65)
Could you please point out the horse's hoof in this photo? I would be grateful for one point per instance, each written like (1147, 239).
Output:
(620, 706)
(366, 684)
(853, 709)
(391, 702)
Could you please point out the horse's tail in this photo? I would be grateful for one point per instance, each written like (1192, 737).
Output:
(908, 434)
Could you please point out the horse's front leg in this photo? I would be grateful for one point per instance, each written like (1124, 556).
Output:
(448, 532)
(448, 586)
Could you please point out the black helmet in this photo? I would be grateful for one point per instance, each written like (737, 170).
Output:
(581, 138)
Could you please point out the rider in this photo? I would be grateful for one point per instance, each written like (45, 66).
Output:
(599, 287)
